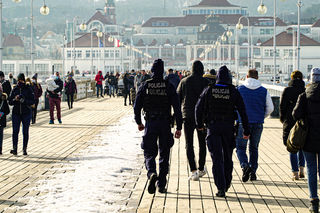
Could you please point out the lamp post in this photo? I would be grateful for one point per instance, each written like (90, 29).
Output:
(44, 10)
(298, 43)
(82, 27)
(262, 9)
(239, 26)
(99, 35)
(63, 64)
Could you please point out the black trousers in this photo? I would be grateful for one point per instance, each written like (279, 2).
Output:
(34, 110)
(126, 94)
(70, 100)
(189, 125)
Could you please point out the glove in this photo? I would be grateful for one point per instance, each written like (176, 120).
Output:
(21, 100)
(1, 114)
(21, 96)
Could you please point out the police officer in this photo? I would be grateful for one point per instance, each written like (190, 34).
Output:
(217, 104)
(155, 97)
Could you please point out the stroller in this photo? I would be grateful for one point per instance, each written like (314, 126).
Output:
(133, 95)
(106, 90)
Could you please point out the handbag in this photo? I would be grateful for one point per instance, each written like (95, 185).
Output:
(298, 136)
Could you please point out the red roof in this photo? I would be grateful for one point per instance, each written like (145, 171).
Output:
(214, 3)
(285, 39)
(100, 17)
(167, 42)
(140, 43)
(154, 43)
(192, 20)
(12, 40)
(85, 41)
(180, 43)
(316, 24)
(172, 21)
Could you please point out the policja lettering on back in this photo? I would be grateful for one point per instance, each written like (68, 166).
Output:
(155, 97)
(221, 100)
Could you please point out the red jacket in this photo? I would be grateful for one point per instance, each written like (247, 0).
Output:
(99, 78)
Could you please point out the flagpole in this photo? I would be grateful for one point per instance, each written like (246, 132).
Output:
(98, 53)
(114, 55)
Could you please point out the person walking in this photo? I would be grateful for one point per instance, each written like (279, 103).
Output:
(216, 107)
(55, 99)
(172, 78)
(12, 80)
(37, 94)
(137, 81)
(4, 111)
(288, 101)
(145, 76)
(259, 105)
(156, 97)
(112, 80)
(6, 86)
(211, 76)
(70, 87)
(189, 91)
(308, 106)
(21, 98)
(99, 79)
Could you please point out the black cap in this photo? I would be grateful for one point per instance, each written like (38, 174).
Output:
(1, 74)
(21, 77)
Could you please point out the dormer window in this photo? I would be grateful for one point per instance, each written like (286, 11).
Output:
(160, 24)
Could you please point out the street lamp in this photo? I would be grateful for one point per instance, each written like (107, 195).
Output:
(44, 10)
(239, 26)
(82, 27)
(298, 37)
(262, 9)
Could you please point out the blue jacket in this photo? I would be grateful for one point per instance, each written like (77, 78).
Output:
(174, 101)
(173, 79)
(24, 107)
(257, 100)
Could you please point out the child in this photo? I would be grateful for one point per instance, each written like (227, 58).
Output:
(51, 85)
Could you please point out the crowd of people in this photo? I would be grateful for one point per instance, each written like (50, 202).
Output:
(225, 117)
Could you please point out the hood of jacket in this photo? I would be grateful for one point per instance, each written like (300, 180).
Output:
(296, 83)
(171, 76)
(157, 68)
(252, 83)
(197, 68)
(209, 76)
(313, 92)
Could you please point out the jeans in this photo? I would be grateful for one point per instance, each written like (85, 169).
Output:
(99, 86)
(313, 162)
(189, 125)
(70, 100)
(254, 140)
(1, 136)
(55, 102)
(112, 87)
(35, 110)
(16, 121)
(297, 160)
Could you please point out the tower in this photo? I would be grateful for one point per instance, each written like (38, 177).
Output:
(110, 11)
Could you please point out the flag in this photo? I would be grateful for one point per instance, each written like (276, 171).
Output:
(116, 43)
(100, 43)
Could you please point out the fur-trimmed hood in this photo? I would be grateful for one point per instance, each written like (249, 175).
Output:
(209, 76)
(4, 96)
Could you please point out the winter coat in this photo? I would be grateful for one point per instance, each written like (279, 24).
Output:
(173, 79)
(37, 90)
(56, 91)
(308, 105)
(211, 78)
(189, 91)
(5, 109)
(24, 107)
(112, 80)
(70, 86)
(99, 79)
(12, 81)
(6, 86)
(137, 81)
(288, 101)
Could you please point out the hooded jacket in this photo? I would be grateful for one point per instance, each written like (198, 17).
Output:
(99, 78)
(190, 88)
(25, 107)
(308, 105)
(288, 102)
(173, 79)
(5, 109)
(257, 100)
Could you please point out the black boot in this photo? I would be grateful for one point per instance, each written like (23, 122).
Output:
(25, 151)
(221, 193)
(314, 206)
(14, 151)
(0, 150)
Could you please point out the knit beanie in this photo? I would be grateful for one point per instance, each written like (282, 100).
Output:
(212, 72)
(35, 76)
(315, 74)
(157, 68)
(21, 77)
(1, 74)
(223, 75)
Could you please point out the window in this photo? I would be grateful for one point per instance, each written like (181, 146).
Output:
(198, 11)
(201, 11)
(244, 31)
(93, 53)
(287, 52)
(208, 11)
(106, 53)
(269, 68)
(290, 68)
(6, 68)
(309, 68)
(238, 11)
(68, 54)
(195, 31)
(190, 11)
(184, 12)
(154, 52)
(262, 31)
(58, 67)
(269, 53)
(111, 53)
(10, 51)
(182, 31)
(160, 31)
(42, 69)
(166, 52)
(180, 53)
(87, 53)
(79, 54)
(222, 11)
(219, 11)
(23, 67)
(117, 53)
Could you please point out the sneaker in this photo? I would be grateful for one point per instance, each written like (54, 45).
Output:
(51, 122)
(60, 122)
(194, 176)
(253, 177)
(221, 193)
(246, 172)
(162, 190)
(202, 172)
(152, 183)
